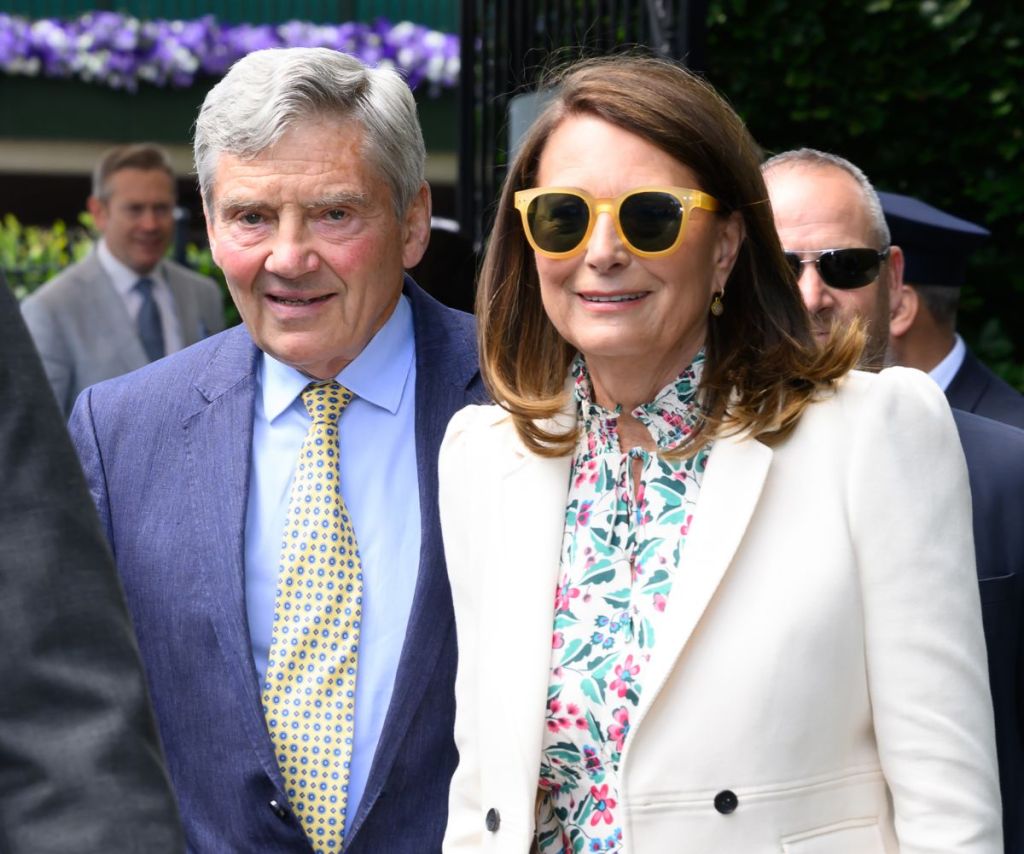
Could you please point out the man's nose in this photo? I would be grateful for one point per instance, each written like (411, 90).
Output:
(292, 254)
(815, 293)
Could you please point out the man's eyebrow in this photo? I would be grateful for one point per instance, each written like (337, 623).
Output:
(231, 204)
(339, 200)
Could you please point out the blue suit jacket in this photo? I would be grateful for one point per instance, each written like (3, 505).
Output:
(166, 451)
(995, 464)
(976, 388)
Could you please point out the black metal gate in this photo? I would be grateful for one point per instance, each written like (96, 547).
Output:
(508, 44)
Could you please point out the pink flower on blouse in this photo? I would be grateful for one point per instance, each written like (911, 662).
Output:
(603, 805)
(565, 594)
(624, 674)
(620, 729)
(659, 602)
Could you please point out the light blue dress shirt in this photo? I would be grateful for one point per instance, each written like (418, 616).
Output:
(381, 488)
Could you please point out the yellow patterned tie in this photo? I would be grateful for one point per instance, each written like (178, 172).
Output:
(310, 688)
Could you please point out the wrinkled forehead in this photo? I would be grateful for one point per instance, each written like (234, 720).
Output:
(320, 152)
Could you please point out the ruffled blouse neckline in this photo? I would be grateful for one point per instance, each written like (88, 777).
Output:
(670, 417)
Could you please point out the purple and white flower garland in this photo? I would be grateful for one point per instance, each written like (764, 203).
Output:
(119, 51)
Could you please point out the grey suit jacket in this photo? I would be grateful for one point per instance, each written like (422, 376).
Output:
(80, 764)
(84, 333)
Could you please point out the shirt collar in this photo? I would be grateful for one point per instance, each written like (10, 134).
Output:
(378, 374)
(944, 372)
(122, 276)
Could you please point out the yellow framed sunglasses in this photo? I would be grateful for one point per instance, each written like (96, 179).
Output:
(650, 221)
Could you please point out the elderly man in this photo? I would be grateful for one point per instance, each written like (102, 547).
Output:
(270, 493)
(834, 233)
(125, 304)
(936, 246)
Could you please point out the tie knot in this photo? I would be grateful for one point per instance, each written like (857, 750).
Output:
(144, 286)
(325, 401)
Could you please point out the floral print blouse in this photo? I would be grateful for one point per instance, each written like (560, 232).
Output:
(620, 553)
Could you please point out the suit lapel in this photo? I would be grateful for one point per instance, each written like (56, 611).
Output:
(733, 481)
(104, 313)
(968, 385)
(218, 439)
(445, 370)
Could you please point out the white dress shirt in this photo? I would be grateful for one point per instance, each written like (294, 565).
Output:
(124, 279)
(381, 489)
(944, 372)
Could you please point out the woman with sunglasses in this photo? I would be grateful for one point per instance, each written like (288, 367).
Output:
(714, 592)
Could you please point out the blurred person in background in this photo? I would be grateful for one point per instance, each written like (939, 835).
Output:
(125, 304)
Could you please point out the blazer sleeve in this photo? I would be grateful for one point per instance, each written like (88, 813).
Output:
(58, 362)
(80, 762)
(910, 516)
(465, 819)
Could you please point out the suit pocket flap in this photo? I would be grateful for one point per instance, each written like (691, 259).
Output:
(854, 836)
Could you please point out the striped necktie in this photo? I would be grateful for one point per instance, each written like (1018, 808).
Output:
(309, 690)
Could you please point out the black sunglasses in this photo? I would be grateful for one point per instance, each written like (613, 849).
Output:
(840, 268)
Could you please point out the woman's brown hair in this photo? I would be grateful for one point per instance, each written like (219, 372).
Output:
(762, 366)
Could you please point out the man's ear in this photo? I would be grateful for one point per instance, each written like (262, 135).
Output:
(416, 227)
(894, 281)
(98, 212)
(905, 313)
(210, 236)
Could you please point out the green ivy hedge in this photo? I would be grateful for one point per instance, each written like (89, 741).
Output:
(924, 95)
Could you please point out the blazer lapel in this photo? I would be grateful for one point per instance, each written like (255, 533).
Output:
(735, 476)
(520, 596)
(218, 439)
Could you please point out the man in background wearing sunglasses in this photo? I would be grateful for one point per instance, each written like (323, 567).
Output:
(831, 223)
(935, 247)
(833, 230)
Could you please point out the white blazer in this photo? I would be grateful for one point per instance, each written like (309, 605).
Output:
(822, 666)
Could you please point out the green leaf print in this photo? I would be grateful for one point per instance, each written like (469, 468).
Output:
(619, 600)
(592, 690)
(584, 651)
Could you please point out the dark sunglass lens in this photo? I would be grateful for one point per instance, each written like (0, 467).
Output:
(558, 221)
(651, 221)
(849, 268)
(794, 264)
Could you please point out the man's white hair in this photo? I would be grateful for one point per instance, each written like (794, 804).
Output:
(270, 91)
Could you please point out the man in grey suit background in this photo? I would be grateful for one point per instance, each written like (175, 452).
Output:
(271, 493)
(824, 205)
(80, 765)
(125, 304)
